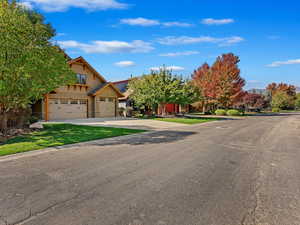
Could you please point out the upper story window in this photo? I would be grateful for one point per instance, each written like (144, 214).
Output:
(81, 79)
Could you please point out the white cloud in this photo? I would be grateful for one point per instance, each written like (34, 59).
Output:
(183, 40)
(26, 4)
(172, 68)
(140, 22)
(125, 64)
(63, 5)
(136, 46)
(211, 21)
(174, 54)
(281, 63)
(61, 34)
(176, 24)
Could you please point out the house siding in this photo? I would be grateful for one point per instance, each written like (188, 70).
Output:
(80, 92)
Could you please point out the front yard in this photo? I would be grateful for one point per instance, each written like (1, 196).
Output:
(60, 134)
(188, 121)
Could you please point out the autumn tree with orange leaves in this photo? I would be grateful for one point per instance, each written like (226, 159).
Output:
(221, 83)
(282, 95)
(287, 88)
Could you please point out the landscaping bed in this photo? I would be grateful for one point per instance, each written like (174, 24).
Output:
(60, 134)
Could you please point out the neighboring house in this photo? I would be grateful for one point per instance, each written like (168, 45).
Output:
(258, 91)
(91, 97)
(123, 88)
(174, 109)
(127, 102)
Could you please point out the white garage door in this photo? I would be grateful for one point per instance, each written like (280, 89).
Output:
(106, 107)
(61, 109)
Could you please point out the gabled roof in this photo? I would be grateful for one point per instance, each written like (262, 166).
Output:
(97, 90)
(82, 60)
(122, 85)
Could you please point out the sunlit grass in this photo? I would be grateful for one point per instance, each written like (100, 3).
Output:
(58, 135)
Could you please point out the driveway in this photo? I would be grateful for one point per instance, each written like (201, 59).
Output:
(144, 124)
(224, 173)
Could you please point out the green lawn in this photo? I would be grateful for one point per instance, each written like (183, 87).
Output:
(60, 134)
(189, 121)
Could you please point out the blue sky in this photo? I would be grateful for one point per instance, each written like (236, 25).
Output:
(124, 37)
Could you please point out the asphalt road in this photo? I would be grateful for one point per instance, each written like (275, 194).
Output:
(235, 172)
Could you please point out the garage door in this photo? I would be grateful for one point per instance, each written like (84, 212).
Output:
(106, 107)
(61, 109)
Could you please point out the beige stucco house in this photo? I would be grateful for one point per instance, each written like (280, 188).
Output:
(91, 97)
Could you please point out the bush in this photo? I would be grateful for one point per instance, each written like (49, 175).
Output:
(233, 112)
(276, 110)
(33, 119)
(220, 112)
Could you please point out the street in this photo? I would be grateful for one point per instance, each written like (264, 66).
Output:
(233, 172)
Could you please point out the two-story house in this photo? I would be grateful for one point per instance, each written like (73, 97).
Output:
(91, 97)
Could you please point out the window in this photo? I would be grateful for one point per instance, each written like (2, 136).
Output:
(102, 99)
(81, 79)
(54, 101)
(82, 102)
(64, 101)
(74, 102)
(111, 99)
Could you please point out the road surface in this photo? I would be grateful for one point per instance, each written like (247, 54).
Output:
(237, 172)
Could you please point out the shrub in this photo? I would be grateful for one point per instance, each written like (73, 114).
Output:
(276, 110)
(33, 119)
(220, 112)
(233, 112)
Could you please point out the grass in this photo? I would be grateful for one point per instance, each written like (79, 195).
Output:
(58, 135)
(188, 121)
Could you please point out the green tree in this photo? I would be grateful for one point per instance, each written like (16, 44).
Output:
(161, 88)
(30, 65)
(281, 100)
(297, 101)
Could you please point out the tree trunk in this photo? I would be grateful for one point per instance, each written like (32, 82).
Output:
(20, 121)
(163, 109)
(204, 108)
(3, 123)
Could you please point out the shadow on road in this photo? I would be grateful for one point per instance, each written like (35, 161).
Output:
(275, 114)
(152, 138)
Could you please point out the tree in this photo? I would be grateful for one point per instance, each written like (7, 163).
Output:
(30, 65)
(281, 100)
(221, 84)
(287, 88)
(252, 101)
(160, 88)
(286, 95)
(297, 101)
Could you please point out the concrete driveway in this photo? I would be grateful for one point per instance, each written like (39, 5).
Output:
(224, 173)
(144, 124)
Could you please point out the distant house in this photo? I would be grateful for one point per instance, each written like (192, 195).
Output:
(257, 91)
(124, 101)
(127, 102)
(92, 96)
(172, 109)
